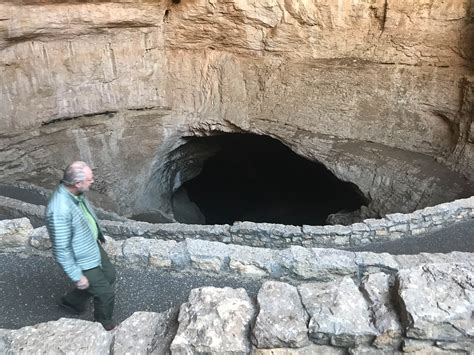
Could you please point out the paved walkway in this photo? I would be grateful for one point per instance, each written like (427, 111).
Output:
(29, 288)
(457, 237)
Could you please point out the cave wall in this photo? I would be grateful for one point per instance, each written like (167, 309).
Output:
(369, 88)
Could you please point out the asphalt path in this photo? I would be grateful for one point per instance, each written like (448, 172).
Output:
(30, 287)
(456, 237)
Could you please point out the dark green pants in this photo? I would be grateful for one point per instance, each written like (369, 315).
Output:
(101, 281)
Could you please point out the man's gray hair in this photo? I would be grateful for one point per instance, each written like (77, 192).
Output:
(74, 173)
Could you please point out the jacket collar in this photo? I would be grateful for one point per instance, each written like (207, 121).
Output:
(76, 199)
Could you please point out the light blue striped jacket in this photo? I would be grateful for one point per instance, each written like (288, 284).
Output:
(74, 245)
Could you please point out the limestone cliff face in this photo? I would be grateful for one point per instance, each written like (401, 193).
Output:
(370, 88)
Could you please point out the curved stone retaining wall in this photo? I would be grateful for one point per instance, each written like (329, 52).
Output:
(291, 263)
(392, 227)
(315, 301)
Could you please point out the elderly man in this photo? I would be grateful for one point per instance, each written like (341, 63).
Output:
(76, 237)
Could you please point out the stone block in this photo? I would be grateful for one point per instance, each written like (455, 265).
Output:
(398, 228)
(437, 301)
(281, 321)
(370, 350)
(312, 349)
(339, 230)
(205, 232)
(214, 321)
(417, 230)
(380, 260)
(146, 333)
(14, 233)
(377, 224)
(339, 313)
(252, 262)
(161, 253)
(422, 347)
(39, 239)
(335, 262)
(360, 227)
(457, 347)
(315, 231)
(136, 251)
(379, 288)
(264, 234)
(206, 255)
(64, 336)
(316, 263)
(398, 218)
(113, 248)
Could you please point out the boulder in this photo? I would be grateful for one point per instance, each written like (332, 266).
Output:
(64, 336)
(214, 321)
(113, 248)
(318, 263)
(14, 233)
(146, 333)
(252, 262)
(207, 256)
(39, 239)
(282, 319)
(379, 288)
(437, 301)
(136, 251)
(339, 313)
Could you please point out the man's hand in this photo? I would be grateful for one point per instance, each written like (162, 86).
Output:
(83, 283)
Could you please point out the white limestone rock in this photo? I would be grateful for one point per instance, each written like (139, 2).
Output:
(282, 319)
(437, 301)
(368, 260)
(113, 248)
(207, 256)
(64, 336)
(312, 349)
(39, 239)
(422, 347)
(339, 313)
(458, 346)
(214, 321)
(146, 333)
(4, 340)
(318, 264)
(378, 288)
(369, 350)
(136, 251)
(161, 253)
(14, 233)
(252, 262)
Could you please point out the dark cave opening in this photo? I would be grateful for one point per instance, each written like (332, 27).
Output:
(259, 179)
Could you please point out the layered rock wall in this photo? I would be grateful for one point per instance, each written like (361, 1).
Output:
(368, 88)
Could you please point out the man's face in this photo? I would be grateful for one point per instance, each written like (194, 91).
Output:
(85, 185)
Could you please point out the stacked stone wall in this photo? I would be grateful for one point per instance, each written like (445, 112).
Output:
(393, 227)
(312, 301)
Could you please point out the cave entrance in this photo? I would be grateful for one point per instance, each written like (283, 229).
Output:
(259, 179)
